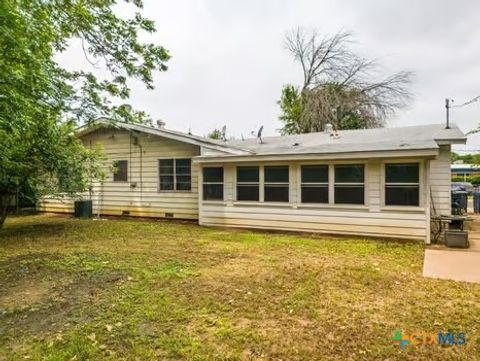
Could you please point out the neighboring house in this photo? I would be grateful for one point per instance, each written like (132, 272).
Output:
(465, 170)
(385, 182)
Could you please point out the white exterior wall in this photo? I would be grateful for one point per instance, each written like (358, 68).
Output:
(144, 200)
(371, 219)
(440, 182)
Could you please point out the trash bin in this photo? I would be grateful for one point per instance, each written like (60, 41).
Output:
(460, 200)
(476, 201)
(83, 209)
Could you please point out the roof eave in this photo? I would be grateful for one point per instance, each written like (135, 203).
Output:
(451, 141)
(86, 129)
(406, 153)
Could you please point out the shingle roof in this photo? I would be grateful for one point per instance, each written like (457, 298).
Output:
(360, 140)
(420, 137)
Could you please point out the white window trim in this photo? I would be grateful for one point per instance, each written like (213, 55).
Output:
(211, 201)
(174, 190)
(421, 184)
(364, 184)
(237, 183)
(262, 184)
(277, 184)
(301, 184)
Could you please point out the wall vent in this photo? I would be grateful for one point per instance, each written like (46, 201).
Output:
(168, 215)
(125, 213)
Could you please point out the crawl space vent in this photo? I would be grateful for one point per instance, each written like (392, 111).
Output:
(168, 215)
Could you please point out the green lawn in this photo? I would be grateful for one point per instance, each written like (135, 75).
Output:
(151, 290)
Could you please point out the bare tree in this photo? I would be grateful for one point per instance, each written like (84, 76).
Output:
(340, 86)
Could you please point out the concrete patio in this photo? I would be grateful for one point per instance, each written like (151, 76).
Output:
(455, 264)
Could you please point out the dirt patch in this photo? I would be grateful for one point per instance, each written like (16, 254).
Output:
(26, 293)
(37, 298)
(27, 281)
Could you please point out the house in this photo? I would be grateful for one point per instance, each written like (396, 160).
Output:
(460, 170)
(385, 182)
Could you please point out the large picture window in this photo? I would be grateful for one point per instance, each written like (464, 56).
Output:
(402, 184)
(314, 183)
(175, 174)
(213, 183)
(349, 184)
(276, 184)
(120, 171)
(248, 185)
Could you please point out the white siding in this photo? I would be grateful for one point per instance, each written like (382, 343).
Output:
(145, 199)
(440, 179)
(372, 219)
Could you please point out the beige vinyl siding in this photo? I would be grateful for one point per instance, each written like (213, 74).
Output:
(145, 199)
(440, 178)
(371, 219)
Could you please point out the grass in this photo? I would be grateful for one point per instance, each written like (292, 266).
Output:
(151, 290)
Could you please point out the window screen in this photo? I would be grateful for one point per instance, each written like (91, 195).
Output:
(175, 174)
(248, 186)
(183, 174)
(402, 184)
(349, 184)
(276, 184)
(314, 183)
(213, 183)
(120, 172)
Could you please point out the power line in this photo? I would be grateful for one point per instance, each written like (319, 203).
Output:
(476, 99)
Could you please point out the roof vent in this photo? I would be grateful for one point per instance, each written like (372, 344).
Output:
(160, 124)
(328, 128)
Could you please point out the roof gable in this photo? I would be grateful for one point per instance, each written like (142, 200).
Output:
(165, 133)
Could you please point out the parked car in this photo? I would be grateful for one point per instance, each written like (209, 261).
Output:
(463, 186)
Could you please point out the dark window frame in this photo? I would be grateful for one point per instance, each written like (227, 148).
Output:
(174, 175)
(117, 173)
(272, 184)
(245, 184)
(338, 185)
(390, 185)
(214, 183)
(319, 185)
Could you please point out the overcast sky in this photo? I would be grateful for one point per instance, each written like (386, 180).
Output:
(229, 63)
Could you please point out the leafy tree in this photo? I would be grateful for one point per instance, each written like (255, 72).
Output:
(339, 87)
(466, 158)
(291, 107)
(41, 103)
(215, 134)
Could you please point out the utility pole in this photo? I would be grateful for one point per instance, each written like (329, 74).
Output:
(447, 107)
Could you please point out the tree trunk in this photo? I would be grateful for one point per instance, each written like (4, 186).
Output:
(4, 200)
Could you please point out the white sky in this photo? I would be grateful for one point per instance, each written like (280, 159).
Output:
(229, 63)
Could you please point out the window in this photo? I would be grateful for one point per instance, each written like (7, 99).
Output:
(276, 184)
(314, 183)
(350, 184)
(175, 174)
(213, 183)
(183, 174)
(402, 184)
(248, 184)
(120, 172)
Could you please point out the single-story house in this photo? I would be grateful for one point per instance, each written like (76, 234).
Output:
(385, 182)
